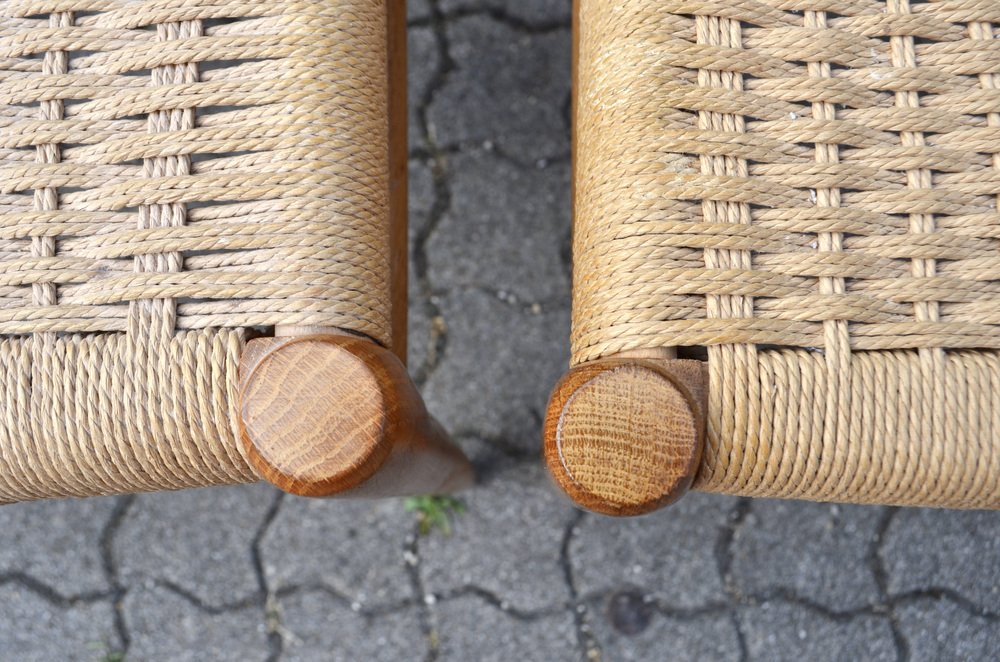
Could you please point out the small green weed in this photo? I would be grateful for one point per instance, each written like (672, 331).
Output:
(104, 652)
(434, 512)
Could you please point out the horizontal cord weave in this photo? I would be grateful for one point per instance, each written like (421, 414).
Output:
(915, 436)
(809, 190)
(96, 414)
(277, 174)
(172, 173)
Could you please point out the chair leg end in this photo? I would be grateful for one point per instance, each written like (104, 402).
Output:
(331, 414)
(623, 436)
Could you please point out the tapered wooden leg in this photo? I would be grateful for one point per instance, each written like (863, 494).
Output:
(334, 414)
(623, 435)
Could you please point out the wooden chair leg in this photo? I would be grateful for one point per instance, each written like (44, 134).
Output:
(324, 412)
(336, 414)
(623, 435)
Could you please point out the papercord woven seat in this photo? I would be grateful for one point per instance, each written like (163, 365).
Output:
(786, 253)
(203, 250)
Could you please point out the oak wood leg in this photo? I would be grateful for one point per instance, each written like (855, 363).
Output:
(334, 414)
(623, 435)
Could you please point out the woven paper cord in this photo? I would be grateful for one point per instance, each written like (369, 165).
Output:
(175, 172)
(809, 189)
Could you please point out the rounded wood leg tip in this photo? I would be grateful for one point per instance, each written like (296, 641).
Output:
(624, 437)
(336, 414)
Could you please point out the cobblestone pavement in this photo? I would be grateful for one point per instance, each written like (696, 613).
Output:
(246, 574)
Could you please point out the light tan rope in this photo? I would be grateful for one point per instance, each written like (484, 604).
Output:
(173, 172)
(810, 191)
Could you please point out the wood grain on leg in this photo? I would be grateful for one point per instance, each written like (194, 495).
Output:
(623, 436)
(334, 414)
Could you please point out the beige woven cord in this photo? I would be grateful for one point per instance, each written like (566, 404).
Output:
(174, 173)
(809, 189)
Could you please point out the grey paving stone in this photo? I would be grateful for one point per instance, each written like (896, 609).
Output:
(817, 551)
(941, 630)
(421, 197)
(420, 322)
(417, 9)
(420, 335)
(535, 12)
(489, 459)
(56, 542)
(694, 637)
(499, 363)
(318, 627)
(198, 540)
(164, 626)
(945, 549)
(669, 555)
(355, 548)
(778, 631)
(505, 230)
(507, 543)
(463, 637)
(33, 629)
(423, 62)
(509, 87)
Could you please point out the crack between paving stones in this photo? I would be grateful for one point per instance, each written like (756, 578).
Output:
(442, 198)
(438, 341)
(346, 601)
(789, 597)
(424, 154)
(688, 613)
(881, 609)
(724, 565)
(493, 600)
(683, 614)
(275, 642)
(537, 417)
(881, 575)
(424, 610)
(438, 22)
(590, 649)
(947, 594)
(110, 567)
(50, 594)
(248, 602)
